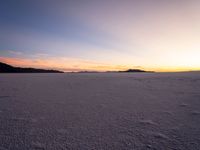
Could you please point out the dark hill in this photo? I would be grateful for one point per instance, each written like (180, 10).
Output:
(133, 70)
(136, 70)
(5, 68)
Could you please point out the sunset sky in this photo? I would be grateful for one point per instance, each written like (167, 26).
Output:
(74, 35)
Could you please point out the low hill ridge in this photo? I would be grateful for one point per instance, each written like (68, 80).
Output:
(5, 68)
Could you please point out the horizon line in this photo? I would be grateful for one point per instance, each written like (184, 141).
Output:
(82, 70)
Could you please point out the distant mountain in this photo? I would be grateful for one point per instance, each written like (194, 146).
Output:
(133, 70)
(5, 68)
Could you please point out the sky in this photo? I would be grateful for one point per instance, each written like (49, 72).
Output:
(101, 35)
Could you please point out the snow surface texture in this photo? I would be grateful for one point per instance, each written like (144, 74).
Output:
(103, 111)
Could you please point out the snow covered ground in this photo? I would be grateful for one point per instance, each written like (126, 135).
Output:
(103, 111)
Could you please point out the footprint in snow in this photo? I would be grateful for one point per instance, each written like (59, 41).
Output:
(38, 146)
(167, 113)
(195, 113)
(160, 136)
(147, 122)
(183, 105)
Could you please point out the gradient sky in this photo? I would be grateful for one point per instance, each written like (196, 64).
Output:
(73, 35)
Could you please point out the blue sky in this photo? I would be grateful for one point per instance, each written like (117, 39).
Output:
(101, 35)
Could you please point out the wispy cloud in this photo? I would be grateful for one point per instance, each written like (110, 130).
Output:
(17, 53)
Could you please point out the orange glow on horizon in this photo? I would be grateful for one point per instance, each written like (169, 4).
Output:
(69, 64)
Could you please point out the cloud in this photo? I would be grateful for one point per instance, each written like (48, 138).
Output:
(15, 52)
